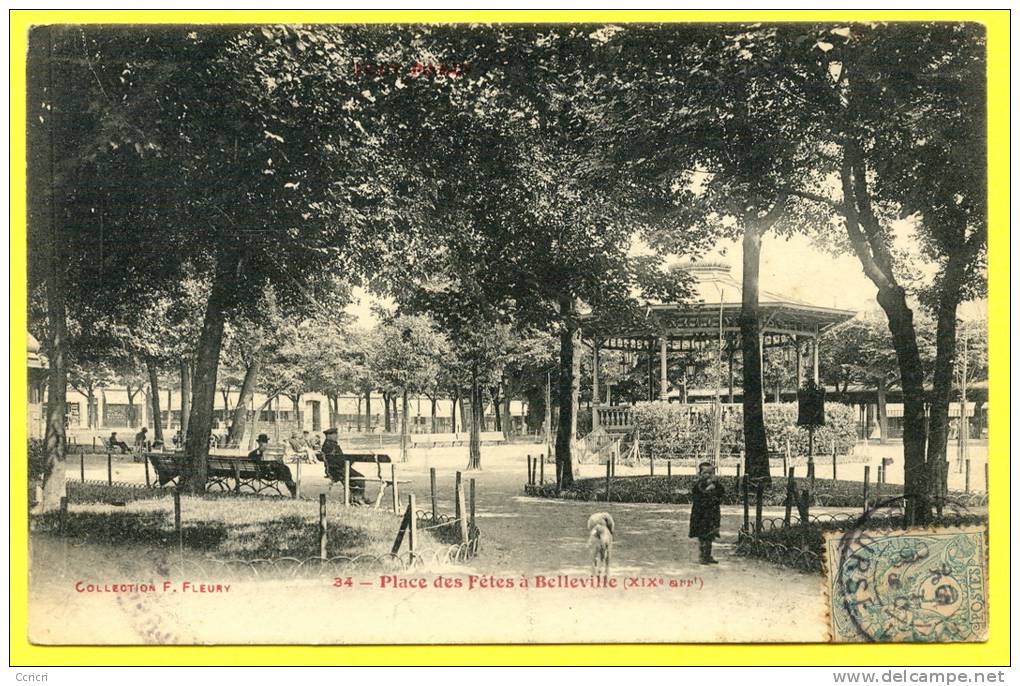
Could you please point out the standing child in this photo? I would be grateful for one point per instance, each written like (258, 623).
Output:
(706, 497)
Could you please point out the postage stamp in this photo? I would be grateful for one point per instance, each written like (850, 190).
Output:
(907, 586)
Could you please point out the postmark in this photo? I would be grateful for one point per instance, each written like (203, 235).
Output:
(916, 585)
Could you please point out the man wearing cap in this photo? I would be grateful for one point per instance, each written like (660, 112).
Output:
(260, 451)
(331, 456)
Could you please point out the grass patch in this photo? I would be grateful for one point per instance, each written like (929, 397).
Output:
(676, 489)
(231, 527)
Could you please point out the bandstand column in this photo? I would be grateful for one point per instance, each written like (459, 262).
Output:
(814, 356)
(595, 384)
(800, 362)
(663, 377)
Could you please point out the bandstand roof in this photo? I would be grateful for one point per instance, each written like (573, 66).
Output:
(717, 295)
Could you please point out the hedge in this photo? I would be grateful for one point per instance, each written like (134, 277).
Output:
(676, 489)
(670, 430)
(803, 545)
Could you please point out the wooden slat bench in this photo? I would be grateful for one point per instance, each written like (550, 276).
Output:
(239, 475)
(458, 439)
(433, 440)
(335, 472)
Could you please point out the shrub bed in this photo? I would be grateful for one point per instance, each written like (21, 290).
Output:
(802, 546)
(243, 527)
(676, 489)
(672, 430)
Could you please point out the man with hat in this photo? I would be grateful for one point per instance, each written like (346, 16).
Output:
(260, 452)
(332, 457)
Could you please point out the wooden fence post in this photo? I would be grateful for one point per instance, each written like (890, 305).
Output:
(432, 490)
(461, 518)
(986, 479)
(879, 480)
(738, 473)
(63, 514)
(759, 496)
(747, 504)
(109, 468)
(804, 507)
(530, 479)
(669, 470)
(412, 529)
(966, 475)
(83, 465)
(297, 478)
(177, 521)
(534, 471)
(867, 476)
(347, 483)
(322, 526)
(394, 488)
(609, 473)
(834, 460)
(458, 510)
(407, 520)
(791, 495)
(651, 465)
(471, 503)
(148, 482)
(541, 470)
(612, 461)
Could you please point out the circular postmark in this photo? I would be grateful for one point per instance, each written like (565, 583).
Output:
(892, 584)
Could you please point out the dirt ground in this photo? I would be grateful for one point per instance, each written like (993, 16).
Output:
(662, 595)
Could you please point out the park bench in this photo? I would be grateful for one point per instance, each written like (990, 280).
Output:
(255, 476)
(457, 439)
(227, 473)
(433, 440)
(492, 437)
(335, 471)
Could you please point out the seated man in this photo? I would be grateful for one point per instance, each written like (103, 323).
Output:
(117, 443)
(259, 454)
(296, 448)
(142, 440)
(334, 470)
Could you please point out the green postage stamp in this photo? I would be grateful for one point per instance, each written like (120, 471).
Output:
(907, 586)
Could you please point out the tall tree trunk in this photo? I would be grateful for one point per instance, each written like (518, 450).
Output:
(465, 414)
(569, 386)
(454, 401)
(867, 239)
(157, 418)
(945, 358)
(90, 422)
(755, 440)
(508, 422)
(386, 412)
(45, 212)
(55, 438)
(434, 427)
(368, 410)
(131, 405)
(185, 397)
(475, 444)
(882, 412)
(207, 359)
(901, 326)
(240, 417)
(496, 409)
(403, 427)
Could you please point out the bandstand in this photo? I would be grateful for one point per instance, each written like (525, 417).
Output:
(710, 323)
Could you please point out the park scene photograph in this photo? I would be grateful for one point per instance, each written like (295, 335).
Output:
(507, 333)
